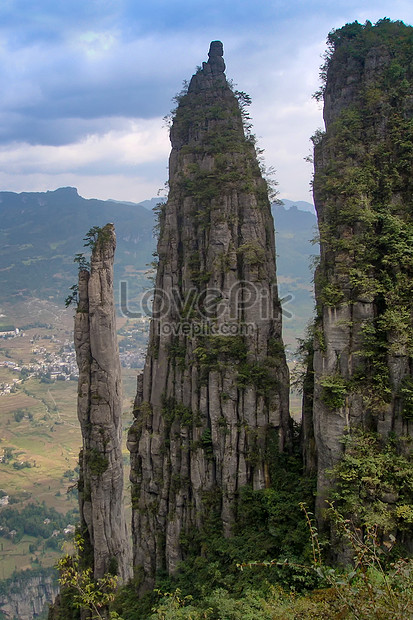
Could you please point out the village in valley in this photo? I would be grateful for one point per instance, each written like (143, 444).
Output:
(53, 358)
(39, 430)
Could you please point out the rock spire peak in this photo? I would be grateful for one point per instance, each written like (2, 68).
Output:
(100, 414)
(212, 73)
(213, 398)
(216, 62)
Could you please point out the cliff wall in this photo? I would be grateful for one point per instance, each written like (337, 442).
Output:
(27, 593)
(363, 338)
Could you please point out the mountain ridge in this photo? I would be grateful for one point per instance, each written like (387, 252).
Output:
(42, 231)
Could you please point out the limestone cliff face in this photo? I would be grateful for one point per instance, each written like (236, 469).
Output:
(28, 594)
(100, 414)
(363, 346)
(213, 399)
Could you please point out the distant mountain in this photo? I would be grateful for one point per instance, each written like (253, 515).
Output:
(301, 204)
(41, 233)
(294, 230)
(151, 204)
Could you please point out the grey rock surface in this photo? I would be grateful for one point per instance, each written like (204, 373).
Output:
(28, 595)
(100, 414)
(364, 205)
(211, 404)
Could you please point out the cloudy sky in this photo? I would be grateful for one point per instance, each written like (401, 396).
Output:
(85, 84)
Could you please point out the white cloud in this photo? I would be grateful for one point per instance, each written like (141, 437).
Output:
(96, 44)
(74, 85)
(142, 141)
(285, 115)
(125, 164)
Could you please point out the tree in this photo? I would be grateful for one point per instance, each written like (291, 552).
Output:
(88, 593)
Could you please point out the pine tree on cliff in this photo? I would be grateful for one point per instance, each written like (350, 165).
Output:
(363, 191)
(213, 398)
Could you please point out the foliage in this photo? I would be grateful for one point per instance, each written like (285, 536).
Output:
(302, 375)
(297, 584)
(252, 253)
(91, 239)
(82, 263)
(73, 297)
(172, 411)
(365, 591)
(97, 462)
(261, 375)
(331, 294)
(217, 126)
(374, 484)
(268, 524)
(406, 393)
(355, 40)
(212, 351)
(365, 189)
(159, 212)
(31, 519)
(334, 391)
(369, 590)
(86, 592)
(177, 353)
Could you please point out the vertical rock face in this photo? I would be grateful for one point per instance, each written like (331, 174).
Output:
(363, 346)
(213, 399)
(100, 414)
(28, 593)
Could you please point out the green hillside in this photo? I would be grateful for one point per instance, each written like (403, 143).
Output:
(294, 230)
(41, 233)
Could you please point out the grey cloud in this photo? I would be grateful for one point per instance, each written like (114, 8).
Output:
(54, 92)
(53, 131)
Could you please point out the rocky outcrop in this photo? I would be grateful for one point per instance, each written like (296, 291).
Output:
(26, 594)
(363, 338)
(212, 403)
(100, 414)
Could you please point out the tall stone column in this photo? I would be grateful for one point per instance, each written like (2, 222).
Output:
(212, 404)
(363, 344)
(100, 415)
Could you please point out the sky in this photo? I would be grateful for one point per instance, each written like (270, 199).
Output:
(85, 84)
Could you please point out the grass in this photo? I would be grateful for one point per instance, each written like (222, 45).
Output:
(13, 402)
(18, 556)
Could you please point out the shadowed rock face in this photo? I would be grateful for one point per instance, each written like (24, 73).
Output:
(363, 195)
(212, 403)
(100, 414)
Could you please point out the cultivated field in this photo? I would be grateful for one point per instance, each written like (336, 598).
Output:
(39, 426)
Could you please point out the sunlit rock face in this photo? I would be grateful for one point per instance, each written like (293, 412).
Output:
(212, 403)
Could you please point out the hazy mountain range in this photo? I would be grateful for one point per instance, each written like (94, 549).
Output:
(42, 231)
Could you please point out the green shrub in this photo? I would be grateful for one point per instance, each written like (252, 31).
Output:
(97, 462)
(334, 391)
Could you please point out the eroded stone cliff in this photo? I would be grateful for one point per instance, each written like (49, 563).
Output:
(100, 414)
(363, 344)
(28, 594)
(212, 403)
